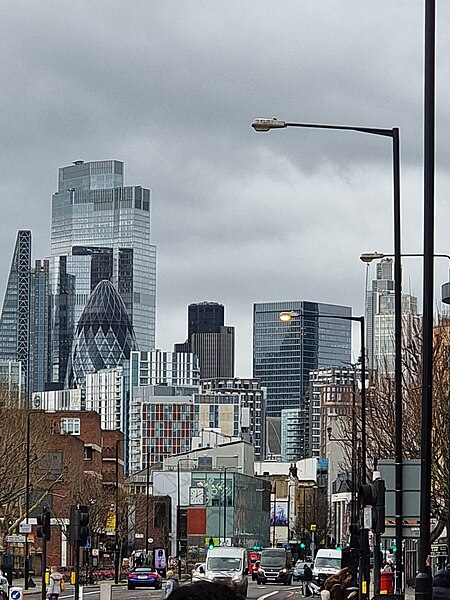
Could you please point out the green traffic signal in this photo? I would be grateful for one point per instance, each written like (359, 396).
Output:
(303, 545)
(394, 548)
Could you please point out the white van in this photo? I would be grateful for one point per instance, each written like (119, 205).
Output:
(229, 566)
(328, 562)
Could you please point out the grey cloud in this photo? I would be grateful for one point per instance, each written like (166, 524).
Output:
(171, 89)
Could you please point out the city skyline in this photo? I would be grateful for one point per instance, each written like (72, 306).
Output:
(239, 217)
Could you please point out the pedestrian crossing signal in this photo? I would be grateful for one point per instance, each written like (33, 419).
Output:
(211, 543)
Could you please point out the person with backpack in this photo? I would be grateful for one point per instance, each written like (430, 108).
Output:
(172, 583)
(307, 577)
(56, 584)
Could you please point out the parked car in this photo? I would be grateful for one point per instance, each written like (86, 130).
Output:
(298, 573)
(144, 577)
(198, 572)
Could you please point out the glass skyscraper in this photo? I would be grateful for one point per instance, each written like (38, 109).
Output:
(104, 335)
(15, 318)
(103, 230)
(284, 353)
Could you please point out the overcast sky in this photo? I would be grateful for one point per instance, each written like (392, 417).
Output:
(171, 86)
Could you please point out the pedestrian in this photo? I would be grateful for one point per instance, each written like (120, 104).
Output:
(441, 584)
(307, 577)
(172, 583)
(56, 584)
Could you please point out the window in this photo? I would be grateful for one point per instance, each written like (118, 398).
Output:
(88, 453)
(70, 426)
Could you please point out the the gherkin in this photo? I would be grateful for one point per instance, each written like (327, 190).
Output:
(104, 336)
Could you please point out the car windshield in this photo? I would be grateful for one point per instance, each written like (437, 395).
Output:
(224, 563)
(328, 561)
(273, 559)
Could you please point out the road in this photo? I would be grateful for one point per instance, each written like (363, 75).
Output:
(255, 592)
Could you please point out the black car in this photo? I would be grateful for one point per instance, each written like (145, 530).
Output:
(144, 577)
(299, 570)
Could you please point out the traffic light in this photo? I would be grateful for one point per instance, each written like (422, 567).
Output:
(211, 543)
(83, 526)
(43, 520)
(373, 495)
(302, 544)
(78, 526)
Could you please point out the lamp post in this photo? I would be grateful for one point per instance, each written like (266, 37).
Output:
(180, 460)
(116, 517)
(364, 568)
(368, 257)
(147, 491)
(394, 134)
(27, 495)
(423, 579)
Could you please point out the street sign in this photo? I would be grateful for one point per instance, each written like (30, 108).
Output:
(150, 540)
(139, 536)
(94, 552)
(15, 593)
(25, 528)
(15, 539)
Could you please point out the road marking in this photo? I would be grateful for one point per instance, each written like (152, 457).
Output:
(84, 594)
(268, 595)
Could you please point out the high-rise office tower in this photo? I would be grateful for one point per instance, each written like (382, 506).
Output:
(284, 353)
(102, 230)
(104, 335)
(15, 317)
(210, 340)
(380, 319)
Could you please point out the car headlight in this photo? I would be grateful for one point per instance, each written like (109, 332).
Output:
(284, 570)
(236, 577)
(260, 570)
(210, 575)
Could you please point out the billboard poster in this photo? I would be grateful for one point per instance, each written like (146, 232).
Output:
(278, 513)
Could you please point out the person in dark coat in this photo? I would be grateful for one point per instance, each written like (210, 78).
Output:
(441, 584)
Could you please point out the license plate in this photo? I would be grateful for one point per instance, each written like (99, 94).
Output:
(142, 576)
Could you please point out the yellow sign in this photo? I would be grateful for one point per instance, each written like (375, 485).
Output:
(216, 541)
(313, 527)
(111, 522)
(364, 587)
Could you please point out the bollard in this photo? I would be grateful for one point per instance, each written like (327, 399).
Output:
(105, 590)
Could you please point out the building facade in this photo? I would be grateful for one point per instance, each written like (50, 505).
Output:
(104, 336)
(210, 340)
(284, 353)
(327, 387)
(105, 227)
(15, 321)
(380, 319)
(236, 406)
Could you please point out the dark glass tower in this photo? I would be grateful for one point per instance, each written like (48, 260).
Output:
(205, 317)
(210, 340)
(104, 335)
(284, 353)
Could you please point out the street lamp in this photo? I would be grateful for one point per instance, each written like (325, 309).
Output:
(180, 460)
(287, 316)
(394, 134)
(27, 495)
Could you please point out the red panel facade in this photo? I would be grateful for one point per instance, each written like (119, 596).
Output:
(196, 521)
